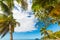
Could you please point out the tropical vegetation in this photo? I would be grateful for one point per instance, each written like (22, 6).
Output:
(54, 36)
(47, 11)
(7, 22)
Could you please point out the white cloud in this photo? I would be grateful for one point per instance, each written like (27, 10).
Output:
(26, 24)
(29, 5)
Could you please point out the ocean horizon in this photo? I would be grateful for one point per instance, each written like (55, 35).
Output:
(23, 39)
(26, 39)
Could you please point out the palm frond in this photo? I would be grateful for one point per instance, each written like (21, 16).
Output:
(5, 8)
(23, 3)
(9, 3)
(2, 29)
(19, 1)
(18, 23)
(5, 32)
(3, 18)
(38, 4)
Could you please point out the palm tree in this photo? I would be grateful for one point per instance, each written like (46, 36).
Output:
(44, 31)
(47, 33)
(7, 22)
(52, 35)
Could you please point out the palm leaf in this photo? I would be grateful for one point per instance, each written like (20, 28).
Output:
(23, 3)
(5, 8)
(9, 3)
(2, 29)
(5, 32)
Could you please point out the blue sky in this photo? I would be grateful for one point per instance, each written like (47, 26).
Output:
(54, 27)
(27, 30)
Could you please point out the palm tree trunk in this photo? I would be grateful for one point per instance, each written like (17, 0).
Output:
(44, 36)
(11, 36)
